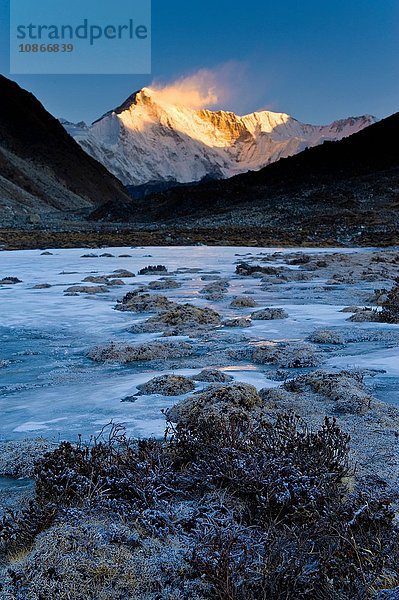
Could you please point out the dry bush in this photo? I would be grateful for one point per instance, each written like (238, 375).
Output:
(390, 308)
(275, 469)
(232, 508)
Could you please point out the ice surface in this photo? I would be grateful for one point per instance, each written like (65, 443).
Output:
(48, 386)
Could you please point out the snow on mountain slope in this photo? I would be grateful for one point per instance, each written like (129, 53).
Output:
(148, 139)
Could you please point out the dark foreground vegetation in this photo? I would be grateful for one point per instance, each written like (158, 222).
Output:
(228, 508)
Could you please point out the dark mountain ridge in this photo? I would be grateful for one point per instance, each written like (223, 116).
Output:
(344, 192)
(352, 161)
(42, 168)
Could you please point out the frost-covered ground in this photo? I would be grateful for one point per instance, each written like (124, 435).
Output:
(49, 387)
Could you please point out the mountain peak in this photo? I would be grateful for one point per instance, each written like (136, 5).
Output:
(154, 136)
(137, 97)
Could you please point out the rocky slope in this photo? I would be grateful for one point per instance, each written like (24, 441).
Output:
(150, 139)
(44, 173)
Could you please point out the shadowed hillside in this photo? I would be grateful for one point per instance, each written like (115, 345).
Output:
(43, 171)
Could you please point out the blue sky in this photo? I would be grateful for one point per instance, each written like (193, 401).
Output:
(318, 60)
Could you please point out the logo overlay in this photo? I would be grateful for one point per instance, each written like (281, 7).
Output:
(84, 37)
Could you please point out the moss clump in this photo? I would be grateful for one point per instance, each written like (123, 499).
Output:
(345, 388)
(220, 402)
(96, 279)
(188, 314)
(42, 286)
(238, 322)
(273, 397)
(153, 270)
(243, 302)
(18, 458)
(213, 376)
(269, 314)
(389, 312)
(365, 315)
(126, 353)
(9, 281)
(121, 273)
(168, 385)
(292, 356)
(326, 336)
(137, 302)
(182, 319)
(164, 284)
(87, 289)
(215, 290)
(246, 270)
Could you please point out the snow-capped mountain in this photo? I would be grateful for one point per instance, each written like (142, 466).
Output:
(150, 139)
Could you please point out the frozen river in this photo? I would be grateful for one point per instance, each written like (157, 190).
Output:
(48, 386)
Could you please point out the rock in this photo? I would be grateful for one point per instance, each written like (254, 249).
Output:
(294, 276)
(325, 336)
(269, 314)
(34, 219)
(47, 253)
(243, 302)
(137, 302)
(126, 353)
(9, 281)
(167, 385)
(129, 399)
(212, 376)
(238, 322)
(107, 255)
